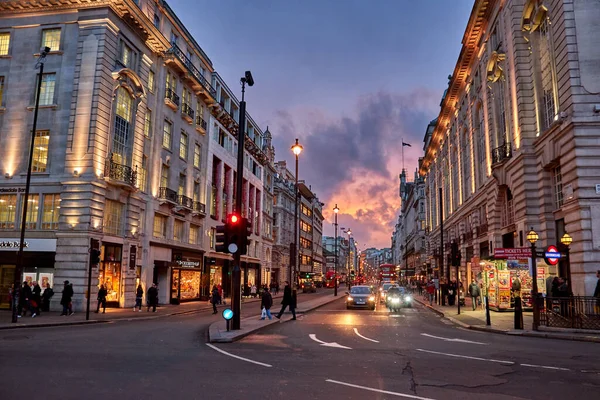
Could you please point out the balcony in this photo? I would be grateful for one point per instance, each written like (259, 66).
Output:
(501, 154)
(201, 125)
(176, 58)
(199, 208)
(187, 113)
(119, 174)
(169, 195)
(171, 99)
(185, 201)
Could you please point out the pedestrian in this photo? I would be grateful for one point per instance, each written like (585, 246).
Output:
(220, 289)
(266, 303)
(597, 292)
(65, 300)
(287, 301)
(452, 292)
(214, 300)
(139, 295)
(152, 297)
(24, 299)
(46, 297)
(276, 288)
(430, 291)
(475, 293)
(253, 291)
(102, 292)
(36, 299)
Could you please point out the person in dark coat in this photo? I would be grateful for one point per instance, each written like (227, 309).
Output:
(287, 300)
(152, 297)
(139, 295)
(452, 287)
(101, 299)
(46, 297)
(65, 299)
(266, 302)
(36, 299)
(215, 299)
(475, 292)
(24, 299)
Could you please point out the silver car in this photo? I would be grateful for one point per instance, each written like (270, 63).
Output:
(360, 297)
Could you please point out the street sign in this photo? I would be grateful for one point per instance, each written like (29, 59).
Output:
(552, 255)
(518, 253)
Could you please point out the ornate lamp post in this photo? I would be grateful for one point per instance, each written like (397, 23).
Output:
(533, 237)
(566, 240)
(296, 149)
(336, 210)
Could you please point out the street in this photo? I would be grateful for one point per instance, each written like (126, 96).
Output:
(330, 353)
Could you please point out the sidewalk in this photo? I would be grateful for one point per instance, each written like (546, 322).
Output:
(53, 318)
(218, 332)
(503, 323)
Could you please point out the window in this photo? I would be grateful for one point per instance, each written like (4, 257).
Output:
(167, 131)
(8, 209)
(181, 186)
(126, 57)
(1, 89)
(558, 187)
(194, 234)
(196, 194)
(47, 89)
(546, 72)
(306, 211)
(32, 210)
(40, 151)
(143, 175)
(151, 81)
(178, 230)
(50, 211)
(183, 145)
(51, 38)
(305, 227)
(156, 21)
(305, 243)
(481, 147)
(148, 123)
(197, 155)
(174, 38)
(113, 217)
(4, 43)
(159, 229)
(211, 237)
(164, 176)
(123, 118)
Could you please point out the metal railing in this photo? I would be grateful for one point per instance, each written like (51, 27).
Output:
(185, 201)
(575, 312)
(172, 96)
(201, 122)
(187, 110)
(168, 194)
(120, 172)
(177, 52)
(199, 207)
(501, 153)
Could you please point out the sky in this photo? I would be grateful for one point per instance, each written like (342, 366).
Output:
(351, 79)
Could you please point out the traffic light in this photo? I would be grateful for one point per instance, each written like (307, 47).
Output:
(245, 231)
(221, 239)
(95, 256)
(455, 254)
(233, 228)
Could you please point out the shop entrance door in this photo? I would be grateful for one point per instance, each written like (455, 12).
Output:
(7, 278)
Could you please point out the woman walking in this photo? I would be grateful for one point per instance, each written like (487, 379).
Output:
(139, 295)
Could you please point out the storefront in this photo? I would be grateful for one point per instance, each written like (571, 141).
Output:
(110, 272)
(187, 273)
(38, 264)
(251, 274)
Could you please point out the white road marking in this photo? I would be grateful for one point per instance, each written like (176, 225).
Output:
(332, 344)
(545, 367)
(238, 357)
(468, 357)
(366, 338)
(452, 340)
(409, 396)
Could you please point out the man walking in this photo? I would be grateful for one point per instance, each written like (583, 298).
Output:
(65, 299)
(287, 301)
(152, 298)
(266, 303)
(475, 292)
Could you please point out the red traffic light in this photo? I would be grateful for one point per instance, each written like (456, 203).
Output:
(234, 219)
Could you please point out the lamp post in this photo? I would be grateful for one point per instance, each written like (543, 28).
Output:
(533, 237)
(349, 263)
(19, 266)
(566, 240)
(296, 149)
(335, 269)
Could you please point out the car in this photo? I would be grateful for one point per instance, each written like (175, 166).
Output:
(397, 297)
(360, 297)
(308, 286)
(383, 290)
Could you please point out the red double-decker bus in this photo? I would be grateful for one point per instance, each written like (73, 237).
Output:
(387, 273)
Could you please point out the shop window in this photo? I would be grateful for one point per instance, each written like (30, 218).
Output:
(51, 211)
(8, 209)
(113, 218)
(47, 89)
(178, 230)
(148, 123)
(151, 78)
(32, 210)
(51, 38)
(194, 234)
(167, 135)
(558, 187)
(110, 272)
(160, 226)
(183, 145)
(4, 43)
(40, 151)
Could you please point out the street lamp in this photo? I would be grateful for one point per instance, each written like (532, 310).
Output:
(566, 240)
(533, 237)
(296, 149)
(336, 210)
(19, 266)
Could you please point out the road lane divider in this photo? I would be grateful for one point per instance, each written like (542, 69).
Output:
(545, 367)
(467, 357)
(238, 357)
(366, 338)
(370, 389)
(331, 344)
(452, 339)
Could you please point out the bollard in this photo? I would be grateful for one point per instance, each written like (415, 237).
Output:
(518, 313)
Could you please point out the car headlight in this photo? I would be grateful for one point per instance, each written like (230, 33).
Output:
(407, 298)
(395, 300)
(372, 298)
(350, 298)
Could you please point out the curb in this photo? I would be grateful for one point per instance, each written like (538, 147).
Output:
(544, 335)
(260, 327)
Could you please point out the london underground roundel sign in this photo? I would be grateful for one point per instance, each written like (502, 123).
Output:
(552, 255)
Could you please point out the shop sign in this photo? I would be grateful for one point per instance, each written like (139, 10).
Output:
(188, 264)
(518, 253)
(12, 244)
(12, 190)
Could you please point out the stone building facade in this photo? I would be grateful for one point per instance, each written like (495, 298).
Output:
(516, 141)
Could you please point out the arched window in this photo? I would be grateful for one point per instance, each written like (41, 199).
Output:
(121, 148)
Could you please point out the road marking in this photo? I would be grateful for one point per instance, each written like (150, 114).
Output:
(545, 367)
(366, 338)
(452, 340)
(468, 357)
(409, 396)
(238, 357)
(332, 344)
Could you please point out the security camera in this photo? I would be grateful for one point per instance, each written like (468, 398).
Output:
(45, 51)
(249, 78)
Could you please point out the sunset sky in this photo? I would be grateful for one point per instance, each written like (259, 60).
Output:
(349, 78)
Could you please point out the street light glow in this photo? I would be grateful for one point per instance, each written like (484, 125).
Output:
(532, 236)
(566, 239)
(336, 209)
(297, 148)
